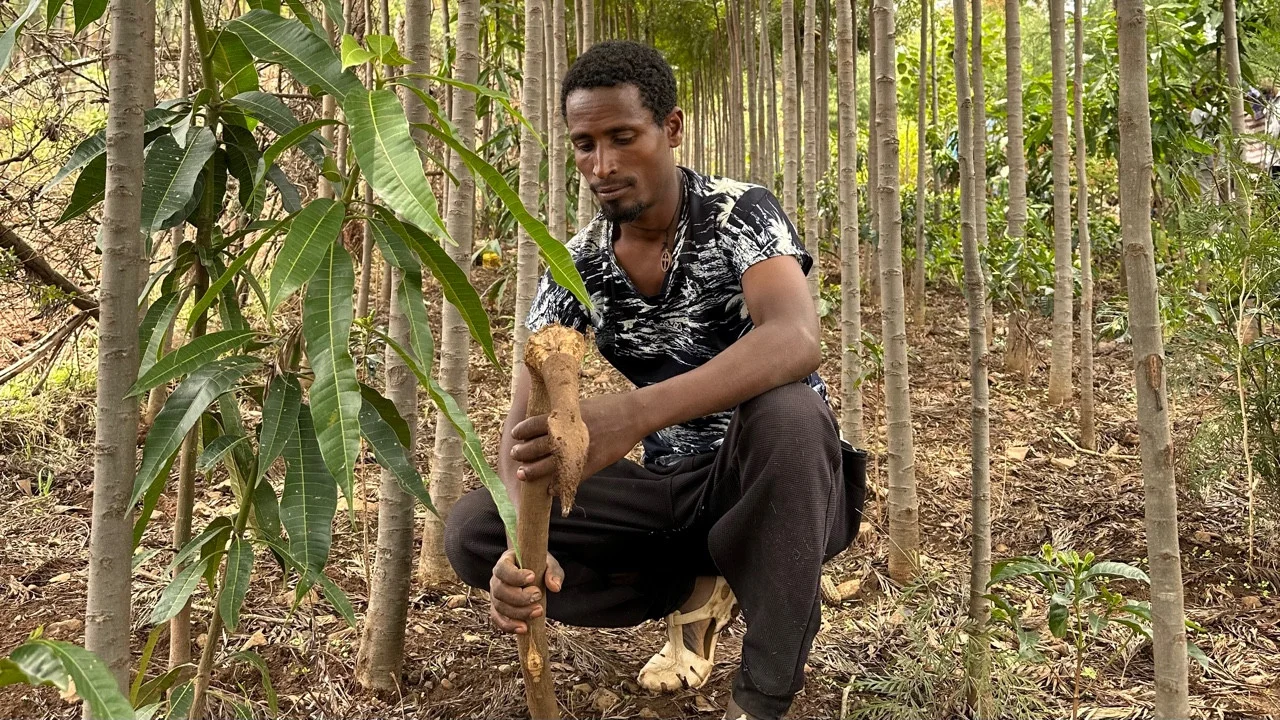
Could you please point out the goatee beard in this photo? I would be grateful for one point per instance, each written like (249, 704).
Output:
(622, 215)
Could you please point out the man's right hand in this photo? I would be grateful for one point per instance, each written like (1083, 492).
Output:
(513, 596)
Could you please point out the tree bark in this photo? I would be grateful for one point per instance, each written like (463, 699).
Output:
(904, 509)
(850, 272)
(447, 464)
(532, 105)
(979, 155)
(917, 275)
(873, 162)
(790, 113)
(557, 138)
(768, 102)
(1063, 284)
(1235, 91)
(1017, 346)
(811, 215)
(586, 202)
(1169, 640)
(39, 269)
(1088, 435)
(754, 116)
(107, 619)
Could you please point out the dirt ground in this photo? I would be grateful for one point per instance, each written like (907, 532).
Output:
(885, 642)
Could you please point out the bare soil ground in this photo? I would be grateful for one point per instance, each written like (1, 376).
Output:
(897, 644)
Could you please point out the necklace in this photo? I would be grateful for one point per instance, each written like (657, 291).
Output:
(668, 239)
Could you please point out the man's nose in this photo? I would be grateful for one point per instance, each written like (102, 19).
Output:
(603, 162)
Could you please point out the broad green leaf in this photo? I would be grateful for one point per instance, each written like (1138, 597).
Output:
(230, 273)
(304, 54)
(333, 11)
(279, 418)
(270, 6)
(189, 357)
(233, 65)
(1195, 653)
(559, 261)
(87, 11)
(89, 190)
(217, 527)
(152, 691)
(242, 163)
(388, 435)
(256, 661)
(182, 411)
(170, 176)
(502, 98)
(389, 158)
(180, 701)
(1018, 567)
(175, 595)
(266, 510)
(301, 135)
(384, 46)
(51, 14)
(1120, 570)
(301, 12)
(453, 281)
(327, 312)
(1058, 613)
(93, 681)
(331, 592)
(289, 196)
(309, 500)
(1137, 627)
(271, 110)
(96, 144)
(150, 498)
(311, 234)
(414, 306)
(243, 465)
(214, 451)
(393, 247)
(235, 581)
(353, 54)
(144, 662)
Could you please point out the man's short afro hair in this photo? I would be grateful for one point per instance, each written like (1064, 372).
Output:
(622, 62)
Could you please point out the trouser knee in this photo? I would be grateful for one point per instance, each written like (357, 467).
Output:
(469, 540)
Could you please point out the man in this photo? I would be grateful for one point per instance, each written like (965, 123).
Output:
(699, 294)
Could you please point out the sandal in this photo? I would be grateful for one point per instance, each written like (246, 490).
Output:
(676, 666)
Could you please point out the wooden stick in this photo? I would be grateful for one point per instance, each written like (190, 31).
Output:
(553, 356)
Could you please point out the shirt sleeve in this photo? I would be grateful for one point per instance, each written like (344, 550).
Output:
(757, 229)
(554, 305)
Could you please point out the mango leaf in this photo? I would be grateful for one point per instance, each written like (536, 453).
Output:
(1118, 569)
(309, 500)
(180, 701)
(393, 247)
(289, 196)
(215, 531)
(311, 234)
(152, 691)
(182, 411)
(51, 14)
(266, 509)
(257, 662)
(388, 435)
(301, 12)
(230, 273)
(453, 281)
(1058, 611)
(389, 158)
(96, 144)
(279, 419)
(333, 11)
(62, 664)
(289, 43)
(1019, 567)
(353, 54)
(89, 190)
(271, 110)
(177, 592)
(270, 6)
(502, 98)
(214, 451)
(384, 46)
(559, 261)
(235, 583)
(190, 356)
(150, 499)
(242, 163)
(87, 11)
(331, 592)
(335, 395)
(155, 322)
(1195, 653)
(233, 65)
(170, 176)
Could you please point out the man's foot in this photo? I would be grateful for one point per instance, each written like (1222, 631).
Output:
(733, 712)
(687, 658)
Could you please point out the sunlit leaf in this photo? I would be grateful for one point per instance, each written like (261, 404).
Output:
(271, 110)
(279, 419)
(310, 498)
(190, 356)
(311, 234)
(389, 436)
(236, 581)
(233, 65)
(177, 592)
(62, 664)
(170, 175)
(289, 43)
(352, 54)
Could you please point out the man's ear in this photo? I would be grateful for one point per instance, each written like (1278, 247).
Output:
(674, 127)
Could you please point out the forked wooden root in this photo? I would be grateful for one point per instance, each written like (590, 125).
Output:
(553, 357)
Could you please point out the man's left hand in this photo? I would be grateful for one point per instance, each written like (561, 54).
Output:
(613, 429)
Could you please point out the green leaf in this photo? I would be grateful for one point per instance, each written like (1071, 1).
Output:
(384, 46)
(230, 273)
(1019, 567)
(559, 261)
(87, 11)
(175, 595)
(353, 54)
(309, 500)
(301, 12)
(279, 419)
(271, 110)
(93, 681)
(256, 661)
(393, 247)
(96, 144)
(1137, 627)
(289, 43)
(1058, 611)
(150, 498)
(182, 411)
(170, 175)
(214, 451)
(289, 197)
(331, 592)
(233, 65)
(235, 581)
(1118, 569)
(388, 435)
(217, 528)
(335, 394)
(266, 509)
(180, 701)
(1195, 653)
(453, 281)
(312, 233)
(242, 163)
(389, 158)
(51, 14)
(190, 356)
(144, 662)
(502, 98)
(89, 190)
(333, 11)
(270, 6)
(153, 690)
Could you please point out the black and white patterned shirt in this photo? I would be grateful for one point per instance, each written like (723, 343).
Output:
(724, 228)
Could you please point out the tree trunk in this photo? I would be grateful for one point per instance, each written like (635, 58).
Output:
(754, 116)
(1016, 158)
(977, 664)
(811, 219)
(447, 461)
(328, 111)
(768, 107)
(873, 162)
(532, 105)
(1169, 639)
(917, 275)
(557, 138)
(586, 202)
(107, 620)
(904, 509)
(1063, 285)
(790, 113)
(1088, 435)
(979, 155)
(850, 272)
(823, 92)
(1235, 91)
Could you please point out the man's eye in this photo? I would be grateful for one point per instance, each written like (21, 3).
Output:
(583, 147)
(624, 140)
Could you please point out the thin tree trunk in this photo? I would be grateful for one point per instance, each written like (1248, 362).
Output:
(366, 260)
(557, 141)
(917, 275)
(811, 219)
(446, 467)
(850, 272)
(1169, 639)
(764, 89)
(754, 116)
(822, 92)
(1063, 285)
(933, 116)
(904, 507)
(1235, 90)
(1088, 435)
(873, 161)
(1017, 342)
(535, 23)
(774, 143)
(107, 619)
(733, 23)
(328, 111)
(979, 155)
(586, 202)
(790, 113)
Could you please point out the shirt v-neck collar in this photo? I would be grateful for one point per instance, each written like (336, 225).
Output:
(682, 225)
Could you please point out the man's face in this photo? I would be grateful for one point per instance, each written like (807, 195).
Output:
(624, 155)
